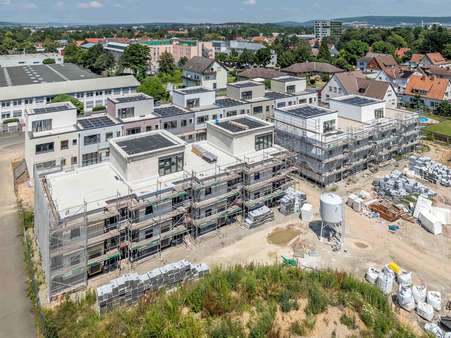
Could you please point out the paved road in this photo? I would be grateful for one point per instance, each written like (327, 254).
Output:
(16, 318)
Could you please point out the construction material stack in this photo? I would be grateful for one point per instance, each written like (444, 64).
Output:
(430, 170)
(259, 216)
(292, 201)
(128, 288)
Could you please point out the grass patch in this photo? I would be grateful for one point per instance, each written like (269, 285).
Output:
(214, 305)
(443, 128)
(348, 321)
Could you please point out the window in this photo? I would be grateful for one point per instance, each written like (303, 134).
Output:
(45, 148)
(258, 110)
(79, 95)
(28, 101)
(108, 135)
(107, 153)
(89, 104)
(207, 212)
(89, 94)
(192, 103)
(74, 142)
(75, 233)
(99, 92)
(117, 91)
(291, 89)
(207, 190)
(90, 158)
(267, 109)
(246, 95)
(64, 144)
(328, 126)
(170, 124)
(45, 165)
(118, 134)
(74, 260)
(170, 164)
(148, 128)
(202, 119)
(41, 125)
(40, 99)
(148, 233)
(108, 92)
(17, 113)
(5, 104)
(124, 113)
(149, 210)
(263, 141)
(184, 123)
(132, 131)
(231, 113)
(6, 115)
(17, 102)
(280, 104)
(256, 176)
(91, 139)
(73, 160)
(379, 113)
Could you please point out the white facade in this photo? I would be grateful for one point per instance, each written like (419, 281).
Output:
(362, 112)
(215, 78)
(29, 59)
(193, 97)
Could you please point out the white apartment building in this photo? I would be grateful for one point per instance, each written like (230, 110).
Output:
(204, 72)
(28, 59)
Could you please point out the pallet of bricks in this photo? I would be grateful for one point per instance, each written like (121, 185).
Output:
(129, 288)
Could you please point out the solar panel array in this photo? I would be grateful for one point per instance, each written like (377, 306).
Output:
(52, 109)
(226, 102)
(133, 98)
(308, 111)
(194, 90)
(251, 124)
(287, 79)
(169, 111)
(96, 122)
(245, 84)
(144, 144)
(275, 95)
(358, 100)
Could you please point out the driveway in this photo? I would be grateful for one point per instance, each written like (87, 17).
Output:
(16, 317)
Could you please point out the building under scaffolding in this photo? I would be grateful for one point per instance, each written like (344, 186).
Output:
(355, 134)
(154, 192)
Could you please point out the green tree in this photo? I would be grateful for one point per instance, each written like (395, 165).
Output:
(167, 63)
(97, 59)
(324, 53)
(72, 53)
(50, 45)
(246, 58)
(48, 61)
(263, 56)
(447, 51)
(286, 59)
(397, 40)
(68, 98)
(383, 47)
(353, 50)
(182, 62)
(152, 86)
(136, 57)
(444, 109)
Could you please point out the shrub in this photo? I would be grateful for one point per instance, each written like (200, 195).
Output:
(99, 108)
(227, 328)
(317, 301)
(264, 323)
(348, 321)
(286, 301)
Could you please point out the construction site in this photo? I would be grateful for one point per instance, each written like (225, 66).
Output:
(128, 214)
(332, 144)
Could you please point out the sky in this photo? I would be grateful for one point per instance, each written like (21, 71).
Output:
(213, 11)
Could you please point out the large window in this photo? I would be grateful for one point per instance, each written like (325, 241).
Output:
(45, 165)
(192, 103)
(91, 158)
(170, 164)
(132, 131)
(202, 119)
(124, 113)
(45, 147)
(291, 89)
(263, 141)
(328, 126)
(41, 125)
(379, 113)
(231, 113)
(246, 95)
(170, 124)
(258, 110)
(91, 139)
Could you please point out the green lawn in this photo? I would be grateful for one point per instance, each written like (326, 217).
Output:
(444, 127)
(435, 117)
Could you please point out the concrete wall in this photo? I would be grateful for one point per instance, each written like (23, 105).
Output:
(205, 98)
(354, 112)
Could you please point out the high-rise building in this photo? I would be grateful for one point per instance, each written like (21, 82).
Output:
(326, 28)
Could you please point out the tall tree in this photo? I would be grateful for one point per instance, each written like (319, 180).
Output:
(136, 57)
(246, 58)
(324, 52)
(383, 47)
(263, 56)
(97, 59)
(183, 60)
(68, 98)
(152, 86)
(166, 63)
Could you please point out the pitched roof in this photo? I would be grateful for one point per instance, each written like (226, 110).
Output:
(439, 71)
(436, 58)
(401, 52)
(397, 72)
(416, 58)
(429, 87)
(383, 60)
(312, 67)
(198, 64)
(355, 83)
(264, 73)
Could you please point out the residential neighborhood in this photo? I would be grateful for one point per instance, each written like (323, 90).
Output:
(239, 173)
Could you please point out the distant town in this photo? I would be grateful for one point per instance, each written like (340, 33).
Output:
(257, 171)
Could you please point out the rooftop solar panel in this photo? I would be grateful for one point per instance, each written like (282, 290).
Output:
(193, 90)
(250, 123)
(96, 122)
(358, 100)
(308, 111)
(275, 95)
(226, 102)
(133, 98)
(287, 79)
(52, 109)
(245, 84)
(169, 111)
(144, 144)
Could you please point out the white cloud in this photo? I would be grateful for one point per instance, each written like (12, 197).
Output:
(250, 2)
(90, 5)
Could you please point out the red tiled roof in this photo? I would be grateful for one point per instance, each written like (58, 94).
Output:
(429, 87)
(416, 58)
(436, 58)
(401, 52)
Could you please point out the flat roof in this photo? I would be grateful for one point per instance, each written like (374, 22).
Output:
(96, 122)
(244, 84)
(357, 100)
(307, 111)
(233, 124)
(145, 143)
(227, 102)
(195, 90)
(170, 110)
(287, 78)
(275, 95)
(131, 98)
(35, 74)
(53, 108)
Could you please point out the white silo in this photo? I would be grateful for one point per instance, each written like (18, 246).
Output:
(332, 214)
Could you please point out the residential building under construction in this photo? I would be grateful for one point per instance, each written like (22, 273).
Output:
(354, 134)
(156, 191)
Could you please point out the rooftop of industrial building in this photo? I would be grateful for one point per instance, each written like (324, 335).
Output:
(35, 74)
(241, 124)
(357, 100)
(306, 111)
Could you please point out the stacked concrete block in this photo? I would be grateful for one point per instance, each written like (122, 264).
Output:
(129, 288)
(430, 170)
(291, 201)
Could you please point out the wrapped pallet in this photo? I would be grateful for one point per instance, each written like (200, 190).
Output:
(425, 310)
(419, 293)
(434, 299)
(307, 212)
(430, 222)
(405, 298)
(372, 274)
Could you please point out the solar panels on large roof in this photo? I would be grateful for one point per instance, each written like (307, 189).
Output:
(233, 125)
(226, 102)
(169, 111)
(144, 144)
(287, 79)
(193, 90)
(276, 96)
(307, 111)
(52, 109)
(133, 98)
(96, 122)
(358, 101)
(245, 84)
